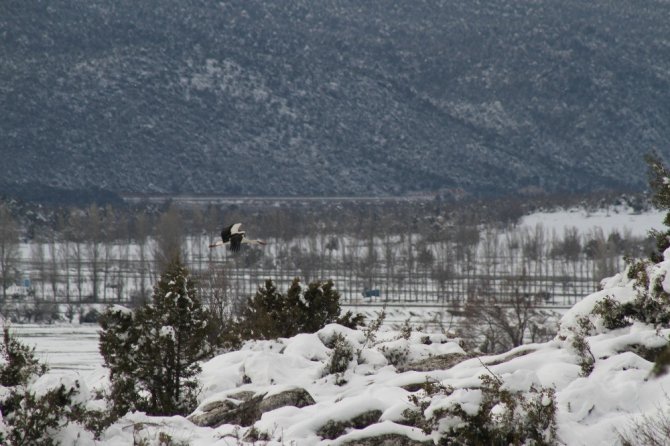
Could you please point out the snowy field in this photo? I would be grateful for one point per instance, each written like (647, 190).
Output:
(608, 220)
(64, 348)
(75, 347)
(66, 272)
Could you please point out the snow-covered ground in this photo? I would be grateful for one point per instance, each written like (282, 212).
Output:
(66, 348)
(383, 375)
(615, 218)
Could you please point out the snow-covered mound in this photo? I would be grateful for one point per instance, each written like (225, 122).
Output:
(342, 386)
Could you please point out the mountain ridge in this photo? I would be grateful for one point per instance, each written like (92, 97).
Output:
(318, 98)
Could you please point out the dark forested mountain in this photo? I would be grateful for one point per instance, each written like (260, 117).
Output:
(337, 97)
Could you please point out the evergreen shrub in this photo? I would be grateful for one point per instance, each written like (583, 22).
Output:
(269, 314)
(153, 352)
(504, 417)
(27, 418)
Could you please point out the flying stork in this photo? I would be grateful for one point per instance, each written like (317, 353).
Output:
(232, 234)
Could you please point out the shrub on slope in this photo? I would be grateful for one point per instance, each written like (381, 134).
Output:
(270, 314)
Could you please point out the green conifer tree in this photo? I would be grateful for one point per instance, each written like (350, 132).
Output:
(321, 306)
(270, 314)
(659, 182)
(153, 353)
(20, 364)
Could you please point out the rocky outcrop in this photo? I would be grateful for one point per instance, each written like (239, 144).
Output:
(245, 408)
(228, 411)
(438, 362)
(296, 397)
(333, 429)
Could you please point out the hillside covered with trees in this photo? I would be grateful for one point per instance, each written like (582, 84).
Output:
(322, 98)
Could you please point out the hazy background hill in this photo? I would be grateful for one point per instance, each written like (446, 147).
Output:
(332, 97)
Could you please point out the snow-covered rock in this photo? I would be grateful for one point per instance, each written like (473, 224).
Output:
(246, 407)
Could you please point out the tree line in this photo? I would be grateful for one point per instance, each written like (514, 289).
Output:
(407, 251)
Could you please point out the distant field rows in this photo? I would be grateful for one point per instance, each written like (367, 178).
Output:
(441, 277)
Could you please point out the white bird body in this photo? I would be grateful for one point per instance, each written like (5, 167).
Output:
(234, 236)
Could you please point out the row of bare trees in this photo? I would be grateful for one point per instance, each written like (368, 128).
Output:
(9, 235)
(102, 254)
(408, 253)
(499, 280)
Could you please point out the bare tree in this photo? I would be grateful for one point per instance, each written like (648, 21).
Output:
(169, 238)
(410, 261)
(214, 289)
(38, 257)
(443, 272)
(491, 249)
(9, 248)
(122, 270)
(109, 229)
(503, 319)
(76, 227)
(64, 255)
(390, 256)
(466, 237)
(571, 246)
(367, 263)
(602, 253)
(511, 248)
(141, 233)
(54, 267)
(425, 259)
(533, 245)
(197, 243)
(94, 248)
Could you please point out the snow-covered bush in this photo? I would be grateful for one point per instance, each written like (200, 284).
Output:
(651, 302)
(490, 414)
(153, 352)
(581, 346)
(342, 353)
(33, 413)
(420, 399)
(34, 419)
(659, 177)
(613, 313)
(396, 352)
(648, 430)
(19, 362)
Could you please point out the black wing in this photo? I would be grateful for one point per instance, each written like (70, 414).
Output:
(225, 233)
(236, 242)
